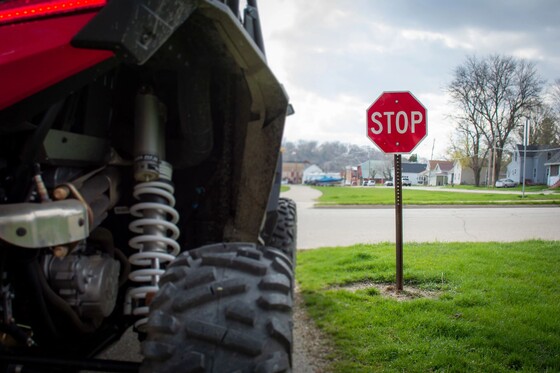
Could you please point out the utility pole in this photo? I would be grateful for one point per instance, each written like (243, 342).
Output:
(494, 151)
(525, 135)
(491, 166)
(431, 159)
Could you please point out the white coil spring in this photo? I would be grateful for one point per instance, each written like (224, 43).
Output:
(156, 242)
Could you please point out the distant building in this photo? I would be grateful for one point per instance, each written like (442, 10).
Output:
(462, 175)
(292, 172)
(536, 171)
(376, 170)
(412, 172)
(553, 165)
(352, 175)
(438, 173)
(311, 173)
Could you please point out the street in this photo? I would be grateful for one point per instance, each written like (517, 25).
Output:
(318, 227)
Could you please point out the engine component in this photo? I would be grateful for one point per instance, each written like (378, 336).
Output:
(98, 191)
(40, 185)
(156, 227)
(62, 147)
(38, 225)
(149, 139)
(10, 332)
(89, 283)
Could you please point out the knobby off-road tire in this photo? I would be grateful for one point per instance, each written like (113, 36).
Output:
(284, 233)
(222, 308)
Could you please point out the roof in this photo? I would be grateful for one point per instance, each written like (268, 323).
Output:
(414, 168)
(554, 160)
(534, 150)
(313, 168)
(444, 166)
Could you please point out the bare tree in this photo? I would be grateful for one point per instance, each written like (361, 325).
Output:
(469, 143)
(468, 146)
(544, 128)
(493, 95)
(554, 95)
(330, 156)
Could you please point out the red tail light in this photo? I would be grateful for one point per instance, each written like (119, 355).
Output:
(18, 10)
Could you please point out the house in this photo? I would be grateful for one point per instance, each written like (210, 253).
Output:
(352, 175)
(463, 175)
(535, 157)
(412, 172)
(292, 172)
(552, 170)
(439, 173)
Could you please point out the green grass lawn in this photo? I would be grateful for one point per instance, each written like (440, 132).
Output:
(386, 196)
(495, 307)
(519, 188)
(284, 188)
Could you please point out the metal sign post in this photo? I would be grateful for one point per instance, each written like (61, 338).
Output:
(398, 221)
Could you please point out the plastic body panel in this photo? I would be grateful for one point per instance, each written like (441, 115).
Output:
(36, 55)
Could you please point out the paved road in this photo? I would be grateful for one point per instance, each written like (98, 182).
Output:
(318, 227)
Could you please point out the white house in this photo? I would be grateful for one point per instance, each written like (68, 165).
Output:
(462, 175)
(439, 173)
(552, 170)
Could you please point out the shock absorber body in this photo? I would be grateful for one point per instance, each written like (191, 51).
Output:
(156, 219)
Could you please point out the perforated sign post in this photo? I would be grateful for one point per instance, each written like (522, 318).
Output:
(397, 123)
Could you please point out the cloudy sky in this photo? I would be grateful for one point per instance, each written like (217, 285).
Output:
(336, 57)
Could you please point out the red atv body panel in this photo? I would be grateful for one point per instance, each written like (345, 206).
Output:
(37, 54)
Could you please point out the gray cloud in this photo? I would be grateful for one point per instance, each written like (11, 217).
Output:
(360, 48)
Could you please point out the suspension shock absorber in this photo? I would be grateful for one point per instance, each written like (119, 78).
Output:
(156, 219)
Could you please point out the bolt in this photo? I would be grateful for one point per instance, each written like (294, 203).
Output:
(61, 193)
(60, 251)
(81, 222)
(21, 231)
(145, 38)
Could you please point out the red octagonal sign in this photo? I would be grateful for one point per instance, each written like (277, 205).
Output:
(397, 122)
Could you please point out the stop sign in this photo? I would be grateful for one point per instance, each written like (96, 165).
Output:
(397, 122)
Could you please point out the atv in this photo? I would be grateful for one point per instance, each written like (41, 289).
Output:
(140, 188)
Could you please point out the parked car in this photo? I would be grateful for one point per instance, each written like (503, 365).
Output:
(405, 182)
(370, 183)
(505, 183)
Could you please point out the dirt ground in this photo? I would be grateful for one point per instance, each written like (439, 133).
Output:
(310, 346)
